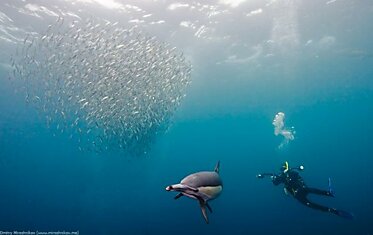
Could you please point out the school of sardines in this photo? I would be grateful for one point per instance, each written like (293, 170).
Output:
(104, 85)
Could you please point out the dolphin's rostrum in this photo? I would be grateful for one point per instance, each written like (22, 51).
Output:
(202, 186)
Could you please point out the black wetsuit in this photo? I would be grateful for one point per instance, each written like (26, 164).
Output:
(294, 184)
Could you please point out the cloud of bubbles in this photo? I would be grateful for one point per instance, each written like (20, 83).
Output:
(280, 129)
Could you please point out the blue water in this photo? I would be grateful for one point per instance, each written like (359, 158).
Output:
(47, 184)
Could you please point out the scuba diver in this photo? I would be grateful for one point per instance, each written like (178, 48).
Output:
(294, 185)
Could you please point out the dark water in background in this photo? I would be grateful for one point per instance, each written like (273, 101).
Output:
(46, 184)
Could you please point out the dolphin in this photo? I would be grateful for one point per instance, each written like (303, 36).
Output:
(202, 186)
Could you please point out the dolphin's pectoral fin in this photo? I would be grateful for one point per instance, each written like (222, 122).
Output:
(178, 196)
(202, 204)
(208, 206)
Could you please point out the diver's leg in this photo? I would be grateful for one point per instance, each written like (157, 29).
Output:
(313, 205)
(320, 192)
(302, 198)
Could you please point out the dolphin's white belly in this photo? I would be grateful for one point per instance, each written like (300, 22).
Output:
(211, 192)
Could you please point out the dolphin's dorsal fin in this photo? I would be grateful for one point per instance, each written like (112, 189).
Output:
(217, 167)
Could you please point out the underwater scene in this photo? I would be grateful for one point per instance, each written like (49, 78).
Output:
(186, 117)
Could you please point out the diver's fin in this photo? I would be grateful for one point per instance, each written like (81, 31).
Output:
(202, 204)
(178, 196)
(217, 167)
(345, 214)
(208, 207)
(330, 189)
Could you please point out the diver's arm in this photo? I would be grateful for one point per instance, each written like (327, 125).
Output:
(262, 175)
(299, 168)
(278, 179)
